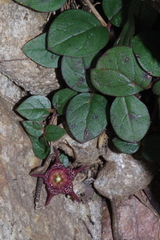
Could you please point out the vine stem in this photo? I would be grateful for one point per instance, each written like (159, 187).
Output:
(42, 169)
(53, 119)
(95, 12)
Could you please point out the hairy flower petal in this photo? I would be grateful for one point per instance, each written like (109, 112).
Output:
(58, 179)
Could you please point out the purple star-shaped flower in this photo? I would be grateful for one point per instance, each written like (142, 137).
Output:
(58, 179)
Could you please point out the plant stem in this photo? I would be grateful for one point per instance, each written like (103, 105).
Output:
(53, 119)
(95, 12)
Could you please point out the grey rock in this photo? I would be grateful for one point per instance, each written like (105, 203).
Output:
(122, 176)
(10, 91)
(18, 25)
(62, 219)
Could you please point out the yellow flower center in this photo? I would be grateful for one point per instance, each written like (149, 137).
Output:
(58, 179)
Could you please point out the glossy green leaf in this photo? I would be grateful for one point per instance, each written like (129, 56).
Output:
(86, 116)
(42, 5)
(40, 147)
(130, 118)
(125, 38)
(151, 147)
(144, 14)
(33, 128)
(156, 88)
(74, 73)
(76, 33)
(35, 108)
(88, 60)
(61, 99)
(117, 73)
(147, 49)
(64, 160)
(111, 7)
(53, 133)
(36, 50)
(125, 147)
(116, 11)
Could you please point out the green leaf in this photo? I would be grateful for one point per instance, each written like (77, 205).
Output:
(116, 11)
(42, 5)
(130, 118)
(144, 14)
(125, 38)
(88, 60)
(151, 147)
(156, 88)
(86, 116)
(125, 147)
(64, 160)
(74, 73)
(111, 7)
(53, 133)
(40, 147)
(36, 50)
(76, 33)
(147, 49)
(33, 128)
(35, 108)
(61, 99)
(117, 73)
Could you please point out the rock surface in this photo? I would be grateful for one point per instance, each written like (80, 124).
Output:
(10, 91)
(63, 219)
(136, 221)
(122, 176)
(18, 25)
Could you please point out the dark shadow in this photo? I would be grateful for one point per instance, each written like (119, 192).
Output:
(153, 193)
(19, 102)
(150, 40)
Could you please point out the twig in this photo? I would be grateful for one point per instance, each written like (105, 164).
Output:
(41, 170)
(88, 230)
(95, 12)
(143, 198)
(38, 192)
(13, 60)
